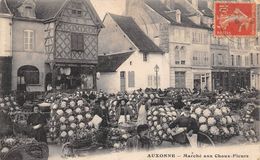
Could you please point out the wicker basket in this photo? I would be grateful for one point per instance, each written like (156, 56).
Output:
(33, 151)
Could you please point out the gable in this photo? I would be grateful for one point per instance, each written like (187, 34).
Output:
(80, 12)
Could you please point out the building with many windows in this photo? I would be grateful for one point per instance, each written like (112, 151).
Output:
(5, 47)
(53, 43)
(128, 59)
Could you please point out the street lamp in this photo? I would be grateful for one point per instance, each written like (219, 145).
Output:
(156, 69)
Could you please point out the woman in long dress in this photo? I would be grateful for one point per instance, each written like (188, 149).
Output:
(142, 112)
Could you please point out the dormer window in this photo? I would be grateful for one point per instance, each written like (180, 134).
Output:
(27, 9)
(178, 16)
(76, 9)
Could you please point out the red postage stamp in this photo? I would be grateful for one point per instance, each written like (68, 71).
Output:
(235, 19)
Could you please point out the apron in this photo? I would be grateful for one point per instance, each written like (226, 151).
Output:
(142, 115)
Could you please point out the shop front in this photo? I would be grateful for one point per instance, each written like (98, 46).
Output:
(5, 74)
(220, 79)
(201, 81)
(239, 78)
(71, 77)
(255, 78)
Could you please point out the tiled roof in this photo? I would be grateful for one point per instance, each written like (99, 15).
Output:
(161, 9)
(203, 8)
(3, 7)
(110, 63)
(47, 9)
(135, 34)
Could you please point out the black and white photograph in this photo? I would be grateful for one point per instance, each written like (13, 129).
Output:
(129, 79)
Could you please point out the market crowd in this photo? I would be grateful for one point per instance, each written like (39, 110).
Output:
(138, 120)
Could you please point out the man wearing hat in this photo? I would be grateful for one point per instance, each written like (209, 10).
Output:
(186, 121)
(179, 104)
(141, 140)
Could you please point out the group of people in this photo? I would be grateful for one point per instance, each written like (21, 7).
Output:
(141, 140)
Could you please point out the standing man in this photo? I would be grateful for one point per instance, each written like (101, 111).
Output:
(37, 121)
(6, 124)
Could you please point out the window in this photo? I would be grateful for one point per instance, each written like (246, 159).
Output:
(205, 38)
(239, 44)
(131, 79)
(257, 58)
(231, 44)
(30, 74)
(251, 59)
(179, 79)
(28, 39)
(232, 60)
(182, 54)
(247, 43)
(200, 58)
(145, 58)
(77, 9)
(238, 60)
(177, 55)
(246, 61)
(220, 59)
(152, 81)
(77, 42)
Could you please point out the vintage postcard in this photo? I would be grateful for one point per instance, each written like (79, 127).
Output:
(129, 79)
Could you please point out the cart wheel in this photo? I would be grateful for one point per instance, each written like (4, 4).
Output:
(67, 150)
(204, 140)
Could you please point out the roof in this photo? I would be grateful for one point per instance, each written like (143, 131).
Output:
(203, 8)
(161, 9)
(3, 7)
(47, 9)
(110, 63)
(135, 34)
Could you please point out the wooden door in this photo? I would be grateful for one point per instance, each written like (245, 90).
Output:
(180, 80)
(122, 81)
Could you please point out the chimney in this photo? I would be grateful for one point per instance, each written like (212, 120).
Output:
(210, 4)
(195, 3)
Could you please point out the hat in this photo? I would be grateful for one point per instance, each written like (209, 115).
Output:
(186, 108)
(123, 99)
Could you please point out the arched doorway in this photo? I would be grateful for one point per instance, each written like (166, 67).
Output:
(27, 75)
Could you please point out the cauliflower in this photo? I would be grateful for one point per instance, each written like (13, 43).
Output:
(203, 128)
(80, 103)
(211, 121)
(164, 120)
(63, 134)
(198, 111)
(62, 119)
(5, 150)
(225, 130)
(213, 106)
(70, 133)
(174, 113)
(232, 130)
(82, 125)
(63, 104)
(79, 117)
(202, 119)
(73, 125)
(88, 116)
(214, 130)
(206, 113)
(87, 109)
(71, 118)
(229, 119)
(194, 116)
(155, 123)
(72, 104)
(54, 106)
(78, 110)
(69, 111)
(63, 127)
(217, 112)
(158, 127)
(223, 121)
(224, 110)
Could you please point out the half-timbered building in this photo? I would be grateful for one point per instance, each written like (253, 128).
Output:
(55, 43)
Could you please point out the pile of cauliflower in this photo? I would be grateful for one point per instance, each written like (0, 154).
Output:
(118, 138)
(8, 143)
(159, 119)
(68, 116)
(214, 120)
(224, 97)
(9, 101)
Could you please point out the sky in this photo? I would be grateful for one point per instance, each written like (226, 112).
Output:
(112, 6)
